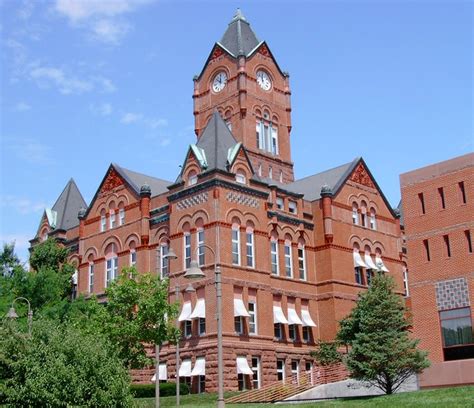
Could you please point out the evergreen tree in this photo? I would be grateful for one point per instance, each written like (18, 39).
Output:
(381, 350)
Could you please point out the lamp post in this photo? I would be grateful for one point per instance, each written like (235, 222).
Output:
(195, 272)
(13, 315)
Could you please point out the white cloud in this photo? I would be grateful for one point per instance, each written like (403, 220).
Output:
(31, 151)
(130, 117)
(154, 123)
(21, 107)
(165, 142)
(104, 109)
(22, 205)
(100, 17)
(21, 240)
(47, 76)
(139, 118)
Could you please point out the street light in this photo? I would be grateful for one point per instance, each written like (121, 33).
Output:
(195, 272)
(13, 315)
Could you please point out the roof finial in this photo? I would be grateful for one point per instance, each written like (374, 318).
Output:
(239, 16)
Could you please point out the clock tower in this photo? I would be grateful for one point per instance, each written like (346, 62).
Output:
(242, 80)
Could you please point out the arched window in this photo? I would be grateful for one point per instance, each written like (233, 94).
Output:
(187, 245)
(121, 214)
(133, 254)
(363, 213)
(267, 134)
(236, 242)
(250, 245)
(274, 252)
(111, 264)
(301, 259)
(240, 177)
(288, 258)
(358, 265)
(228, 122)
(373, 221)
(200, 241)
(355, 214)
(91, 273)
(103, 221)
(192, 178)
(163, 260)
(405, 281)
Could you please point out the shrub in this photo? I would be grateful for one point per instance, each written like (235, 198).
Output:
(166, 390)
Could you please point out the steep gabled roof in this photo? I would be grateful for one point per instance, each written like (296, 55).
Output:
(239, 38)
(66, 207)
(136, 180)
(334, 178)
(216, 140)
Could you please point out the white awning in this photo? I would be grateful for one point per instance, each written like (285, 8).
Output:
(185, 312)
(380, 264)
(358, 260)
(243, 366)
(369, 262)
(293, 317)
(240, 309)
(199, 310)
(278, 316)
(199, 367)
(185, 368)
(162, 372)
(306, 317)
(74, 277)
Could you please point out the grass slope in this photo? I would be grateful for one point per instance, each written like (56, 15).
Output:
(457, 397)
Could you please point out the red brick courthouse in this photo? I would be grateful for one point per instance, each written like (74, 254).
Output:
(293, 253)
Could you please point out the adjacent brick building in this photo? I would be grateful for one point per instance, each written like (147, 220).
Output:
(438, 218)
(293, 254)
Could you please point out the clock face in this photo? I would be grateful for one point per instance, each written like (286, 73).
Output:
(264, 80)
(220, 81)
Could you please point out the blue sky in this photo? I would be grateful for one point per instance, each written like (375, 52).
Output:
(87, 83)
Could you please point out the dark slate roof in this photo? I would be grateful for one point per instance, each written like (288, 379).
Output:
(68, 205)
(136, 180)
(239, 38)
(311, 186)
(216, 140)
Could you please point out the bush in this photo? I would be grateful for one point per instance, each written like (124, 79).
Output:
(166, 390)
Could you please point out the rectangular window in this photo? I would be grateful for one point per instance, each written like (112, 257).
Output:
(441, 197)
(187, 250)
(236, 246)
(462, 190)
(405, 282)
(292, 332)
(468, 240)
(363, 218)
(301, 263)
(280, 203)
(202, 326)
(274, 141)
(274, 256)
(250, 248)
(355, 216)
(133, 258)
(427, 249)
(111, 267)
(288, 265)
(456, 327)
(256, 373)
(280, 370)
(91, 278)
(446, 245)
(103, 223)
(277, 331)
(358, 274)
(266, 137)
(260, 138)
(373, 223)
(188, 328)
(164, 261)
(121, 216)
(241, 382)
(370, 275)
(112, 219)
(253, 318)
(238, 325)
(306, 334)
(422, 202)
(292, 207)
(295, 370)
(200, 243)
(202, 382)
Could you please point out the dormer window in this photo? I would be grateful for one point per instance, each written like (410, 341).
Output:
(192, 178)
(240, 177)
(280, 203)
(292, 207)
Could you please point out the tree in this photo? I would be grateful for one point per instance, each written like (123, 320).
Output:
(8, 259)
(139, 314)
(60, 366)
(381, 351)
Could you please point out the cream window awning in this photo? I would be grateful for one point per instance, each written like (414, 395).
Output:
(293, 317)
(162, 372)
(278, 316)
(199, 310)
(185, 312)
(240, 309)
(185, 368)
(243, 366)
(199, 367)
(306, 317)
(358, 260)
(369, 262)
(380, 264)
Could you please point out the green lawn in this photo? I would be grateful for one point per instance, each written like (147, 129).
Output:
(462, 397)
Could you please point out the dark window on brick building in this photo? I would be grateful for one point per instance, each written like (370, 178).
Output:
(441, 197)
(468, 239)
(427, 249)
(446, 244)
(422, 202)
(456, 329)
(462, 190)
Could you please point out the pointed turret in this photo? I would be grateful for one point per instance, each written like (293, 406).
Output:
(67, 206)
(239, 38)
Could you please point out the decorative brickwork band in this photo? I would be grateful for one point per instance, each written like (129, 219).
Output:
(452, 294)
(192, 201)
(242, 199)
